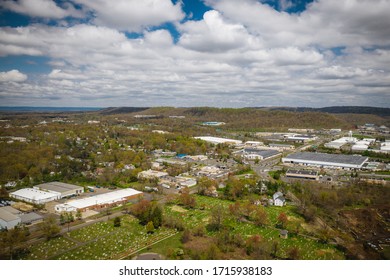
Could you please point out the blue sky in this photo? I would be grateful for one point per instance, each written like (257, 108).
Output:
(223, 53)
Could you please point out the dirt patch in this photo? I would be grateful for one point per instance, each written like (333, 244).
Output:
(178, 209)
(24, 207)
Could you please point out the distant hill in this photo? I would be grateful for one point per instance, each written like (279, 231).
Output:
(385, 112)
(121, 110)
(276, 118)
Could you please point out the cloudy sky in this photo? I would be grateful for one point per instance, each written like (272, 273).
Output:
(223, 53)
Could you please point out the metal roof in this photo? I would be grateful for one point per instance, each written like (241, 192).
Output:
(302, 172)
(263, 153)
(328, 158)
(101, 199)
(58, 187)
(7, 216)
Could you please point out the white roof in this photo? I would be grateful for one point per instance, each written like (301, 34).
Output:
(218, 140)
(101, 199)
(34, 194)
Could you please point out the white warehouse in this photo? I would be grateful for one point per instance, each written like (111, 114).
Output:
(326, 160)
(35, 196)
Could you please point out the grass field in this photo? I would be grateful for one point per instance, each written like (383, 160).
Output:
(104, 241)
(308, 248)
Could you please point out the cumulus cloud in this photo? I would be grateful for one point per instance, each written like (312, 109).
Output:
(41, 8)
(245, 54)
(213, 34)
(133, 15)
(329, 23)
(12, 76)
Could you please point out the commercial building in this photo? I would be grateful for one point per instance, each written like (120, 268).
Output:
(326, 160)
(300, 138)
(213, 172)
(64, 189)
(152, 174)
(302, 174)
(35, 196)
(99, 201)
(254, 154)
(281, 147)
(218, 140)
(8, 220)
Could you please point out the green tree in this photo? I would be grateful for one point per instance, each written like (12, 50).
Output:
(78, 215)
(49, 227)
(150, 227)
(282, 219)
(260, 217)
(12, 241)
(117, 222)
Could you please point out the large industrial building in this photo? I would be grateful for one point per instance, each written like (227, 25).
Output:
(326, 160)
(99, 201)
(218, 140)
(34, 196)
(64, 189)
(46, 192)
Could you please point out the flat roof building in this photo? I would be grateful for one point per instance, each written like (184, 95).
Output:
(8, 220)
(64, 189)
(35, 196)
(253, 154)
(302, 174)
(326, 160)
(99, 201)
(150, 174)
(218, 140)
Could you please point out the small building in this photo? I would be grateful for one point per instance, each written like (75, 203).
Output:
(283, 234)
(8, 220)
(300, 138)
(279, 199)
(254, 154)
(30, 218)
(152, 174)
(302, 174)
(281, 147)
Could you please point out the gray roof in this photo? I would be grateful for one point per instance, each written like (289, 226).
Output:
(58, 187)
(7, 216)
(330, 158)
(263, 153)
(11, 210)
(302, 172)
(30, 217)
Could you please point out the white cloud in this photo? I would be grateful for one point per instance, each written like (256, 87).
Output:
(213, 34)
(133, 15)
(41, 8)
(12, 76)
(329, 23)
(245, 54)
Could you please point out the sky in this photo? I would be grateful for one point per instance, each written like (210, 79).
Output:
(185, 53)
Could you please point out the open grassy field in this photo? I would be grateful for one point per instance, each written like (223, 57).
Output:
(309, 248)
(104, 241)
(99, 241)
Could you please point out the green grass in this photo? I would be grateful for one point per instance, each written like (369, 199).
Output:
(104, 241)
(308, 248)
(49, 248)
(100, 241)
